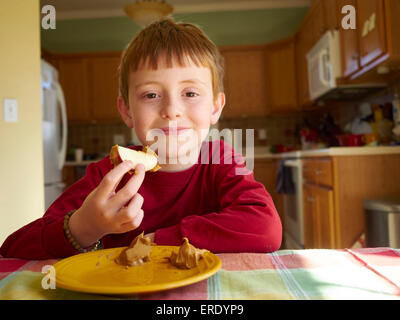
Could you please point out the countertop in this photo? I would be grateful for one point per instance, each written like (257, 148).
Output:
(263, 153)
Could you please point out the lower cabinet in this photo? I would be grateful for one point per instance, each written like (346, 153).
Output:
(334, 191)
(266, 172)
(318, 217)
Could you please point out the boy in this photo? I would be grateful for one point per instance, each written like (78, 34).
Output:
(171, 79)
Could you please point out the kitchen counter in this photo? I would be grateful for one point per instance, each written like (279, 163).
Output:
(263, 153)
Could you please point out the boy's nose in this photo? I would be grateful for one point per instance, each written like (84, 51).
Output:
(171, 109)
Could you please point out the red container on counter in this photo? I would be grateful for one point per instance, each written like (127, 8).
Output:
(350, 140)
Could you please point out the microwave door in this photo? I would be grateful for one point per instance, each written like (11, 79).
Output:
(325, 69)
(319, 74)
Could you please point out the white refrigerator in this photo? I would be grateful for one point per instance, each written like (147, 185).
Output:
(54, 125)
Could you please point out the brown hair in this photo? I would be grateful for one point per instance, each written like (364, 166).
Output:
(177, 40)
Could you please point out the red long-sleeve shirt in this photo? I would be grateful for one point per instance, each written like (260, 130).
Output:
(211, 204)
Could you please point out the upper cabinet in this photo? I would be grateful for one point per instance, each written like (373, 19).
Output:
(280, 68)
(371, 30)
(349, 45)
(376, 39)
(73, 76)
(260, 80)
(103, 86)
(90, 84)
(244, 81)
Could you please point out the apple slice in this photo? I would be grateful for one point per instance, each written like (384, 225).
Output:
(147, 157)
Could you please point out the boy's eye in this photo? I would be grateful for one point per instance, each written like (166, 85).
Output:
(191, 94)
(151, 95)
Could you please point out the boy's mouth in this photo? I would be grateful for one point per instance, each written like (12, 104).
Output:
(174, 130)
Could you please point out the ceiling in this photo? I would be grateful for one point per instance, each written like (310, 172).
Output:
(79, 9)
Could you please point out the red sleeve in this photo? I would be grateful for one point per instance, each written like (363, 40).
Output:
(246, 222)
(44, 238)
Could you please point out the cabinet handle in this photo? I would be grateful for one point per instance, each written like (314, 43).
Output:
(317, 171)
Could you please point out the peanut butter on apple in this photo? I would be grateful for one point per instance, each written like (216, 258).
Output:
(137, 253)
(188, 256)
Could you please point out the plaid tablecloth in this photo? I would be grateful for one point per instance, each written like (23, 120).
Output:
(365, 273)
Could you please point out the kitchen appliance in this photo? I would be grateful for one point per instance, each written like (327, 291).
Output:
(382, 222)
(324, 69)
(293, 207)
(54, 127)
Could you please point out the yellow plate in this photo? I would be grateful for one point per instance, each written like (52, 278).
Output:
(97, 272)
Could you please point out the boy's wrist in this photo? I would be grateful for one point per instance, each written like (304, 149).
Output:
(78, 232)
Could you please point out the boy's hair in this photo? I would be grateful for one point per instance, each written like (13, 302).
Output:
(176, 40)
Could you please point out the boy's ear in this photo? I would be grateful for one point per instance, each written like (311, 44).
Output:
(219, 104)
(125, 112)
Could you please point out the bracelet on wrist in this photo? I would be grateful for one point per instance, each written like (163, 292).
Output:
(72, 240)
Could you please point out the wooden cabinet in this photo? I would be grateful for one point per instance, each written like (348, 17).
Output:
(349, 45)
(90, 84)
(304, 42)
(266, 172)
(244, 81)
(103, 86)
(281, 89)
(73, 77)
(318, 217)
(371, 30)
(318, 208)
(334, 191)
(374, 42)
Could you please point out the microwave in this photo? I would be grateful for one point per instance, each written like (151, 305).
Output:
(325, 67)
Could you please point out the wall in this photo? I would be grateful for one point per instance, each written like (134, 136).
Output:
(21, 169)
(224, 28)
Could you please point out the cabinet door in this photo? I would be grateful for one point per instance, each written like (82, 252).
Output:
(73, 77)
(266, 172)
(371, 30)
(309, 218)
(244, 82)
(103, 84)
(304, 42)
(325, 216)
(318, 217)
(350, 51)
(281, 69)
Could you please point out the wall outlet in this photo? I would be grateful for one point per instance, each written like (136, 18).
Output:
(10, 107)
(262, 134)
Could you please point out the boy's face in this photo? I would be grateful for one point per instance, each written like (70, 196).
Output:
(171, 108)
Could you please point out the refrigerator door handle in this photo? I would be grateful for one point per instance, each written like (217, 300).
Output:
(63, 150)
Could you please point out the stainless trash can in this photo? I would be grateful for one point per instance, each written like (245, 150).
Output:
(382, 222)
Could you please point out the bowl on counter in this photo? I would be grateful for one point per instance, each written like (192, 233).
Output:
(350, 140)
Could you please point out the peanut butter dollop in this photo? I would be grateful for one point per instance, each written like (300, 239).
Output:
(188, 256)
(137, 253)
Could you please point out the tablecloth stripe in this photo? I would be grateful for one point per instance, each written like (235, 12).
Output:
(214, 287)
(291, 283)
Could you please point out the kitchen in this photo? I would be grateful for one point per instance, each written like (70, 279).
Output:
(325, 137)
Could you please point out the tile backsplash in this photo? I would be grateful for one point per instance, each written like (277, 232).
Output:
(97, 138)
(279, 129)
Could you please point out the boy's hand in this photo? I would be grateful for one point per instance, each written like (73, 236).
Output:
(104, 211)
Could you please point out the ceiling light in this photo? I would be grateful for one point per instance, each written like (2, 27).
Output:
(145, 12)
